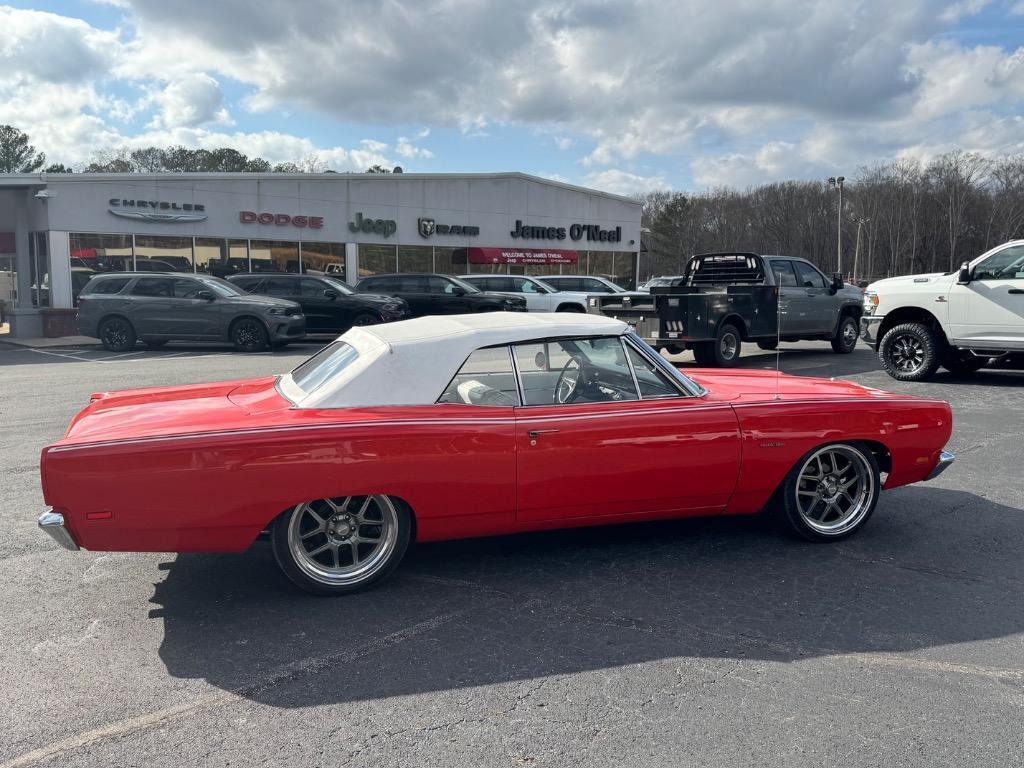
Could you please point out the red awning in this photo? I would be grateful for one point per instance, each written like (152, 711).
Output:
(520, 256)
(83, 253)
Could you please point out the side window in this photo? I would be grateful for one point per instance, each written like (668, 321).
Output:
(653, 383)
(486, 378)
(574, 371)
(281, 288)
(809, 277)
(108, 285)
(785, 277)
(249, 285)
(590, 285)
(373, 285)
(152, 286)
(186, 289)
(1008, 264)
(519, 285)
(503, 284)
(310, 289)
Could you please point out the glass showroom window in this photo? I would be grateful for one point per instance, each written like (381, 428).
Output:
(415, 258)
(101, 253)
(377, 259)
(155, 253)
(273, 256)
(323, 259)
(39, 269)
(210, 255)
(450, 261)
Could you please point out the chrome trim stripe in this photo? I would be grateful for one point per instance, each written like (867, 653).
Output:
(53, 524)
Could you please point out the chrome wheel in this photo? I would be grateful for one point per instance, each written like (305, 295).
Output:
(835, 489)
(849, 334)
(907, 353)
(343, 541)
(728, 345)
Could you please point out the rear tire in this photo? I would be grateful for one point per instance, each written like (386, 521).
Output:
(845, 340)
(342, 545)
(724, 352)
(249, 335)
(365, 318)
(830, 493)
(117, 334)
(910, 352)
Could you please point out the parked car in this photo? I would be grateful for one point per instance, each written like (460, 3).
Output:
(724, 299)
(330, 306)
(123, 307)
(429, 294)
(657, 282)
(473, 425)
(958, 320)
(588, 284)
(540, 297)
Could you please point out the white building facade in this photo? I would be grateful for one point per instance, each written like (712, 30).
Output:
(57, 230)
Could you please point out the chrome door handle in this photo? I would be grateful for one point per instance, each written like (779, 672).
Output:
(534, 432)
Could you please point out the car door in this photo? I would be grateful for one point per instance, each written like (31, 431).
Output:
(616, 451)
(821, 305)
(319, 303)
(537, 297)
(150, 307)
(792, 299)
(445, 297)
(193, 317)
(990, 308)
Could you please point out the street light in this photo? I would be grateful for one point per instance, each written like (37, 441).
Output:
(861, 221)
(837, 181)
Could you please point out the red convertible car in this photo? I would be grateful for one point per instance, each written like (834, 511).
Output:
(458, 426)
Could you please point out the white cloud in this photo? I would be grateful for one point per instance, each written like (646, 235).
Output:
(563, 142)
(408, 150)
(623, 182)
(190, 101)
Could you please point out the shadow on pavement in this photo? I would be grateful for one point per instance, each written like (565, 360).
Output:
(934, 567)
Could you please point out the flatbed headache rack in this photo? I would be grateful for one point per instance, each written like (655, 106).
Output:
(715, 287)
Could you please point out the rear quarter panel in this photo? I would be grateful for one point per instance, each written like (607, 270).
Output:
(777, 434)
(216, 492)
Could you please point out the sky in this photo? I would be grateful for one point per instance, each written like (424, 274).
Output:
(626, 96)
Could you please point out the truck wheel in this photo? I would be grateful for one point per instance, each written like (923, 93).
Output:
(964, 364)
(117, 334)
(846, 335)
(768, 346)
(910, 352)
(723, 352)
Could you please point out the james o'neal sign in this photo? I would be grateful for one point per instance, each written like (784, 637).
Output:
(591, 232)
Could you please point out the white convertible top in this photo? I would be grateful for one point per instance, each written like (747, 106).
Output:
(411, 362)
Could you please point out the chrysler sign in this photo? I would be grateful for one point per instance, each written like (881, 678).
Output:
(156, 210)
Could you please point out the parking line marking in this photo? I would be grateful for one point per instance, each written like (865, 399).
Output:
(288, 671)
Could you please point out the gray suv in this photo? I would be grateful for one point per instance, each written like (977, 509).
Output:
(120, 308)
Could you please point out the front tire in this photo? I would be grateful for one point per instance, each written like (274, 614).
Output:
(910, 352)
(249, 335)
(830, 493)
(365, 318)
(845, 340)
(117, 334)
(342, 545)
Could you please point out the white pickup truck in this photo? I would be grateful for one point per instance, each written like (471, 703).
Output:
(959, 320)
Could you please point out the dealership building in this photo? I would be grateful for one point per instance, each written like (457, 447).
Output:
(57, 230)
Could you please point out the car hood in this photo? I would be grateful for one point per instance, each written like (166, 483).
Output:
(761, 386)
(908, 280)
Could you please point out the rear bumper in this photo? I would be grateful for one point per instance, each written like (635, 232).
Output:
(946, 460)
(869, 326)
(53, 524)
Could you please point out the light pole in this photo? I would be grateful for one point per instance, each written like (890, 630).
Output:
(837, 181)
(861, 221)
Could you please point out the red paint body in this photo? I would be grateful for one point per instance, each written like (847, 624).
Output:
(207, 467)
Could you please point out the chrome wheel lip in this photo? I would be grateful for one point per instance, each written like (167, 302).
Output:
(849, 334)
(816, 486)
(387, 540)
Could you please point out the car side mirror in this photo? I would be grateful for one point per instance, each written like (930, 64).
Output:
(456, 291)
(207, 295)
(329, 294)
(837, 282)
(964, 277)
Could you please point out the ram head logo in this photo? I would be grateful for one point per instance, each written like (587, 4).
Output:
(427, 227)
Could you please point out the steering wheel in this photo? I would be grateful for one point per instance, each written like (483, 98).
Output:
(567, 388)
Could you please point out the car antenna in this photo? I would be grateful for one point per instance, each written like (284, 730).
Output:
(778, 338)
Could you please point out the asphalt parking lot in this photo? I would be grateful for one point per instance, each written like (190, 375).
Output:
(710, 642)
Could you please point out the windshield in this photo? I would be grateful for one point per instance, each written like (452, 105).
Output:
(339, 286)
(613, 287)
(324, 365)
(691, 386)
(221, 287)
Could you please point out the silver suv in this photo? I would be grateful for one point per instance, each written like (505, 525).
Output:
(121, 308)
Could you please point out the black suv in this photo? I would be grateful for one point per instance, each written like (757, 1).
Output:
(330, 305)
(429, 294)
